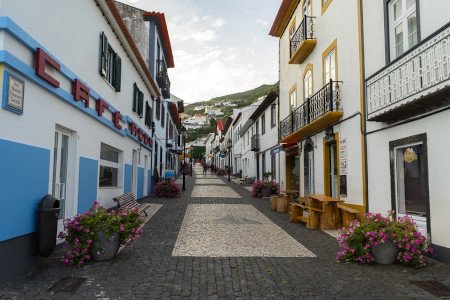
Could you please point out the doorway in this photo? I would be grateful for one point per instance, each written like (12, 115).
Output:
(309, 168)
(63, 174)
(331, 172)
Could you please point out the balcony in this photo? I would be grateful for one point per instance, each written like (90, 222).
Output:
(303, 41)
(255, 143)
(415, 83)
(318, 112)
(162, 78)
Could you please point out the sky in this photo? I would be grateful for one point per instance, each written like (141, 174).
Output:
(219, 46)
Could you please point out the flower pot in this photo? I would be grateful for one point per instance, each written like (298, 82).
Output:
(282, 204)
(386, 253)
(105, 248)
(265, 191)
(273, 202)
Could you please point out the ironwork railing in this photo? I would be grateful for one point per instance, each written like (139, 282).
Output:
(162, 75)
(305, 31)
(414, 74)
(255, 143)
(326, 100)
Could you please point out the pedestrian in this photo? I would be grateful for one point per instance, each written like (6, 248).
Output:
(212, 168)
(205, 167)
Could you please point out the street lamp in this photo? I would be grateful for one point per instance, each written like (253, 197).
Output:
(229, 145)
(183, 134)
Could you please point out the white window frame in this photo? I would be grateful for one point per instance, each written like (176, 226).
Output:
(307, 85)
(401, 21)
(111, 164)
(292, 100)
(328, 68)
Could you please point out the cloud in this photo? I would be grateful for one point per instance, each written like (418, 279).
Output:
(218, 23)
(207, 35)
(262, 23)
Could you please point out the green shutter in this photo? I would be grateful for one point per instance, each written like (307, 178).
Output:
(103, 54)
(134, 98)
(141, 104)
(117, 75)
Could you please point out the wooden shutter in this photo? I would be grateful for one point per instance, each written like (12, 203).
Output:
(141, 104)
(135, 97)
(103, 54)
(117, 72)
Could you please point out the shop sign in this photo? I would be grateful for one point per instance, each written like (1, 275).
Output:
(343, 156)
(275, 150)
(14, 93)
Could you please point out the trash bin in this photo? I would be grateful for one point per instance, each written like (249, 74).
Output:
(47, 225)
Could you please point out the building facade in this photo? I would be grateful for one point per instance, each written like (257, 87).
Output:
(85, 128)
(407, 79)
(321, 99)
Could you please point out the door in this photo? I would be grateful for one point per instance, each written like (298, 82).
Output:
(134, 173)
(257, 167)
(333, 171)
(310, 173)
(411, 184)
(61, 171)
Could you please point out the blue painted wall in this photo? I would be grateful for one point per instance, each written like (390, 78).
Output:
(24, 180)
(87, 184)
(127, 179)
(140, 183)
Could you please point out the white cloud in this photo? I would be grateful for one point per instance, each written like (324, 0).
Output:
(218, 23)
(207, 35)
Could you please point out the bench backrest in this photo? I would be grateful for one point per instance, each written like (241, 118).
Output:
(125, 199)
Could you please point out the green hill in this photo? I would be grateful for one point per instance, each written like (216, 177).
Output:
(240, 99)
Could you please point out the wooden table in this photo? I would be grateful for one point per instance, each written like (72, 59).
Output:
(324, 213)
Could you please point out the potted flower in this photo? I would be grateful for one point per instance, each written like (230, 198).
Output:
(168, 188)
(98, 234)
(257, 188)
(383, 240)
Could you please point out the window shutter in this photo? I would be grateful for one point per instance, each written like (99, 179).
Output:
(103, 54)
(117, 75)
(141, 104)
(134, 98)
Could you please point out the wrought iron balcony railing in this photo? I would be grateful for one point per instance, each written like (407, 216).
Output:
(255, 143)
(326, 100)
(411, 84)
(162, 78)
(304, 32)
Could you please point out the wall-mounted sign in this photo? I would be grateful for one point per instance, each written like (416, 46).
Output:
(343, 185)
(13, 93)
(343, 150)
(275, 150)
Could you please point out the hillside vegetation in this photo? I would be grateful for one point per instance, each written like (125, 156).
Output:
(241, 99)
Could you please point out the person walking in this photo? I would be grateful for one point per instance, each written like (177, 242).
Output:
(205, 167)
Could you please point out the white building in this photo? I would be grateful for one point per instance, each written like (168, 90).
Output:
(407, 79)
(320, 99)
(229, 104)
(84, 114)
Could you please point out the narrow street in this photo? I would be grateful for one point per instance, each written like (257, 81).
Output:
(218, 242)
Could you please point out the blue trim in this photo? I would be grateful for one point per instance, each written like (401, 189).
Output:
(128, 169)
(24, 180)
(9, 26)
(149, 183)
(87, 183)
(140, 183)
(6, 75)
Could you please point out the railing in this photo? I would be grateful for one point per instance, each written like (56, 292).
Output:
(305, 31)
(326, 100)
(255, 143)
(163, 77)
(417, 72)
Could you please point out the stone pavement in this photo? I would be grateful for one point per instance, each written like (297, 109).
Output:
(216, 241)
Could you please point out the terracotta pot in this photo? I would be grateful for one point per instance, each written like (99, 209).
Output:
(105, 248)
(386, 253)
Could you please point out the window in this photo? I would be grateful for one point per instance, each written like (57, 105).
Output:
(403, 26)
(292, 99)
(263, 163)
(307, 85)
(148, 115)
(325, 4)
(273, 115)
(163, 115)
(329, 64)
(256, 127)
(273, 166)
(110, 63)
(263, 123)
(307, 8)
(292, 29)
(138, 101)
(109, 166)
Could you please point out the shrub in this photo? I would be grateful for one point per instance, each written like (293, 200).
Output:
(357, 239)
(168, 189)
(259, 185)
(81, 232)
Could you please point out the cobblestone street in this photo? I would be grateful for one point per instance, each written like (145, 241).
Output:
(218, 242)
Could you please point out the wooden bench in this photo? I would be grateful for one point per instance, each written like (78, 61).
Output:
(312, 221)
(127, 202)
(347, 214)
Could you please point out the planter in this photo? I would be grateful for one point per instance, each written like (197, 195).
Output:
(273, 202)
(386, 253)
(282, 204)
(265, 192)
(105, 248)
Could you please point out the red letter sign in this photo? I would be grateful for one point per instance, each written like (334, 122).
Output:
(116, 119)
(81, 92)
(41, 60)
(100, 106)
(133, 128)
